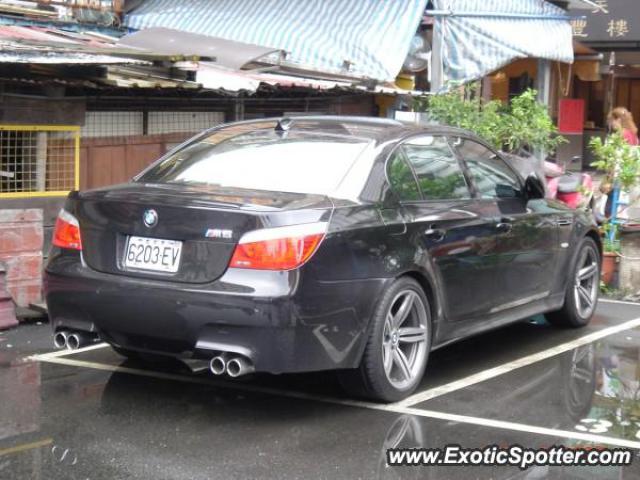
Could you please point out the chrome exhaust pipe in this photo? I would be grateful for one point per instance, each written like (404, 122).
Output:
(60, 339)
(76, 340)
(218, 364)
(238, 366)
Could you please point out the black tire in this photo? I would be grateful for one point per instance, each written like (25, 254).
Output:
(369, 380)
(571, 315)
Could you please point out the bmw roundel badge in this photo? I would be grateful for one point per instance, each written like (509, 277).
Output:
(150, 218)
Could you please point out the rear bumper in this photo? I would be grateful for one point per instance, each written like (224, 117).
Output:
(284, 321)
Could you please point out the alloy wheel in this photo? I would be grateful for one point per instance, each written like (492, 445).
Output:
(581, 380)
(586, 284)
(404, 339)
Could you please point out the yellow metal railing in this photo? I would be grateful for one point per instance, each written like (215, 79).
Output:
(38, 160)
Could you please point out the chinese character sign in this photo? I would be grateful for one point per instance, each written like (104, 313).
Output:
(601, 6)
(578, 26)
(618, 28)
(608, 20)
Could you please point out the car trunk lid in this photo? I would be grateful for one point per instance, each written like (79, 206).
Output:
(208, 221)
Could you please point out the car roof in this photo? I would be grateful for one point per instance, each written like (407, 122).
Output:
(376, 129)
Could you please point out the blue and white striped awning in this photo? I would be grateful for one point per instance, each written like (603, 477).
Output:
(359, 38)
(479, 37)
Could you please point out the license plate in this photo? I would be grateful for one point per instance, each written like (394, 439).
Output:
(153, 254)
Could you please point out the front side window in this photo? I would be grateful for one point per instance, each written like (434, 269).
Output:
(492, 176)
(436, 167)
(261, 159)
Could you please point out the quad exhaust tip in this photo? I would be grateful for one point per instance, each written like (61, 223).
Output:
(218, 364)
(234, 366)
(239, 366)
(60, 339)
(73, 340)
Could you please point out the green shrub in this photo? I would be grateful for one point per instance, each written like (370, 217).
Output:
(522, 124)
(617, 159)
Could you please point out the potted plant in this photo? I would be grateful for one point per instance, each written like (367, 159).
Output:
(621, 164)
(611, 252)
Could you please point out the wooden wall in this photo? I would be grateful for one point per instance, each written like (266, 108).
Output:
(628, 95)
(107, 161)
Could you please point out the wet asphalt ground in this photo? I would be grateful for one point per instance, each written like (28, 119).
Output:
(92, 415)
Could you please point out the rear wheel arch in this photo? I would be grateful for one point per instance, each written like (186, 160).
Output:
(373, 378)
(427, 286)
(429, 291)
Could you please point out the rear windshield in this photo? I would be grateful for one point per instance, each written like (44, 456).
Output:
(294, 161)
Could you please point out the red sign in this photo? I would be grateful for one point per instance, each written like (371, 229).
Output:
(571, 116)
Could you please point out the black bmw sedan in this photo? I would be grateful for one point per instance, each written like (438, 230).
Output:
(317, 243)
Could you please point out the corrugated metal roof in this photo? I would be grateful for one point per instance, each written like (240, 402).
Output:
(69, 58)
(211, 76)
(54, 36)
(20, 44)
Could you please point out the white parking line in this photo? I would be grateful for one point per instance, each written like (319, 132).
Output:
(521, 427)
(520, 362)
(464, 419)
(405, 406)
(65, 353)
(621, 302)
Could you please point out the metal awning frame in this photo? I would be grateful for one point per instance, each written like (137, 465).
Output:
(586, 4)
(524, 16)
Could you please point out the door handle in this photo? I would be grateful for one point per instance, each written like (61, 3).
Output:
(564, 222)
(434, 233)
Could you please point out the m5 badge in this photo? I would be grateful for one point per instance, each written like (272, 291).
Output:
(218, 233)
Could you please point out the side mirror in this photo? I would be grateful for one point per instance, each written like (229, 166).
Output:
(534, 188)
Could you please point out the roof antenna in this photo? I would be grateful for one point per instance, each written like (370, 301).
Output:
(284, 124)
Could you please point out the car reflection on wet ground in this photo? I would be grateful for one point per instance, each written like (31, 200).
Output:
(92, 415)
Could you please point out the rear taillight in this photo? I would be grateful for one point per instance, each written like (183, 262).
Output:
(280, 248)
(66, 233)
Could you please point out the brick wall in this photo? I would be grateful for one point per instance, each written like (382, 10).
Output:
(21, 243)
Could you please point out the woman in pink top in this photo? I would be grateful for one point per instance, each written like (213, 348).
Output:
(621, 120)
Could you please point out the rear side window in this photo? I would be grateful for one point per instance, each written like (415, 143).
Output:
(401, 178)
(437, 169)
(263, 159)
(492, 176)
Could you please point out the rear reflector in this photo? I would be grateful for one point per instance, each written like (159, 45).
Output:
(280, 248)
(66, 233)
